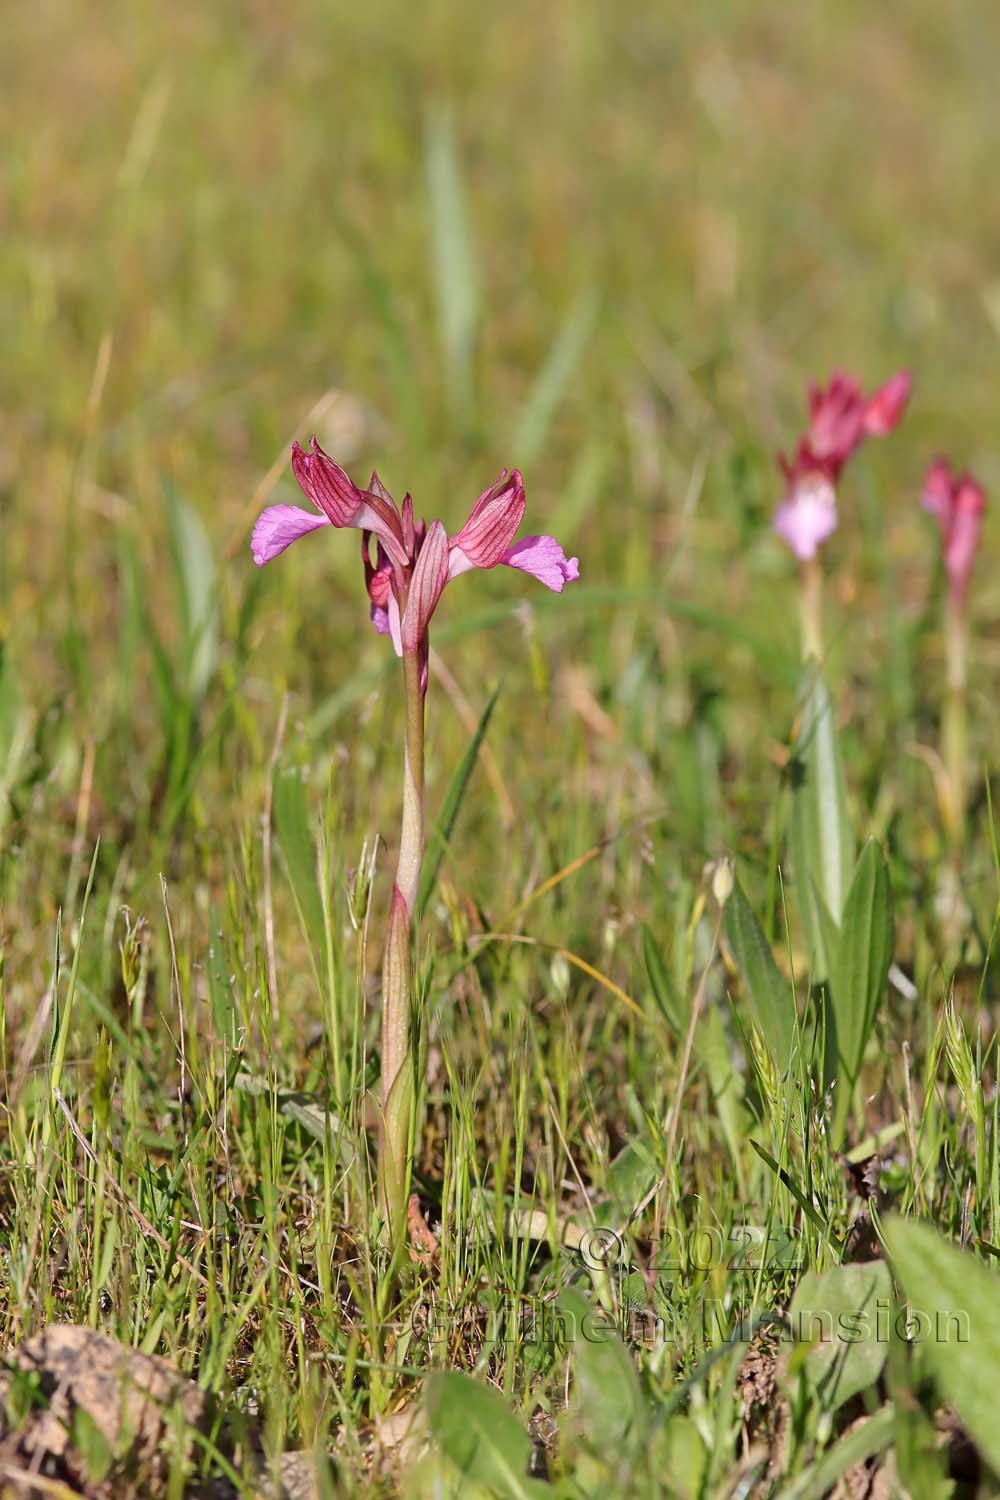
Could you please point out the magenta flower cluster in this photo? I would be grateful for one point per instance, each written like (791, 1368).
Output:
(841, 417)
(413, 561)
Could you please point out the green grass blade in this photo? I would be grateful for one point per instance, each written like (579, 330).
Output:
(535, 421)
(440, 838)
(455, 279)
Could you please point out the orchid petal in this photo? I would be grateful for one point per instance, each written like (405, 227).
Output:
(335, 494)
(884, 410)
(938, 489)
(963, 537)
(493, 522)
(395, 624)
(278, 527)
(324, 483)
(544, 559)
(429, 578)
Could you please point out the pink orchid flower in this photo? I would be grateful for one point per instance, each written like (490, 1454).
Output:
(958, 502)
(413, 561)
(841, 417)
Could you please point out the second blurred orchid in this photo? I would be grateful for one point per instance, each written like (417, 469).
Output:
(841, 418)
(958, 502)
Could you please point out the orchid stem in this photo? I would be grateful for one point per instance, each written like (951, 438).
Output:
(953, 724)
(397, 969)
(811, 607)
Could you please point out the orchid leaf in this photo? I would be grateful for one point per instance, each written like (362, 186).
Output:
(821, 836)
(607, 1400)
(475, 1429)
(771, 995)
(862, 957)
(836, 1312)
(955, 1315)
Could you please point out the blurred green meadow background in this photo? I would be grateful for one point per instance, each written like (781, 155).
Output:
(608, 245)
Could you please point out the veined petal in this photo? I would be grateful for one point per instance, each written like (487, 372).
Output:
(278, 527)
(544, 559)
(430, 575)
(324, 483)
(335, 494)
(493, 522)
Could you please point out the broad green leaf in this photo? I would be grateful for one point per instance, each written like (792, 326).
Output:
(543, 399)
(476, 1431)
(681, 1458)
(861, 961)
(629, 1178)
(291, 821)
(861, 1441)
(194, 566)
(607, 1401)
(954, 1315)
(714, 1052)
(437, 844)
(821, 836)
(671, 1003)
(838, 1313)
(771, 996)
(454, 264)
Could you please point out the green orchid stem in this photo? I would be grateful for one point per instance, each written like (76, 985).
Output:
(953, 723)
(397, 971)
(811, 609)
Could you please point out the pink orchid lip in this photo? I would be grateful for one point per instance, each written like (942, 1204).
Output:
(808, 516)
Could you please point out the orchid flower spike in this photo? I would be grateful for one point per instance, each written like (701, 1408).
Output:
(413, 560)
(841, 417)
(958, 502)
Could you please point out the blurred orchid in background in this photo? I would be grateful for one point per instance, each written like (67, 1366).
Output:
(958, 502)
(841, 418)
(413, 562)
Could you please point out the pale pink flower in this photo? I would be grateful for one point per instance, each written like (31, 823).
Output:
(808, 514)
(958, 502)
(413, 561)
